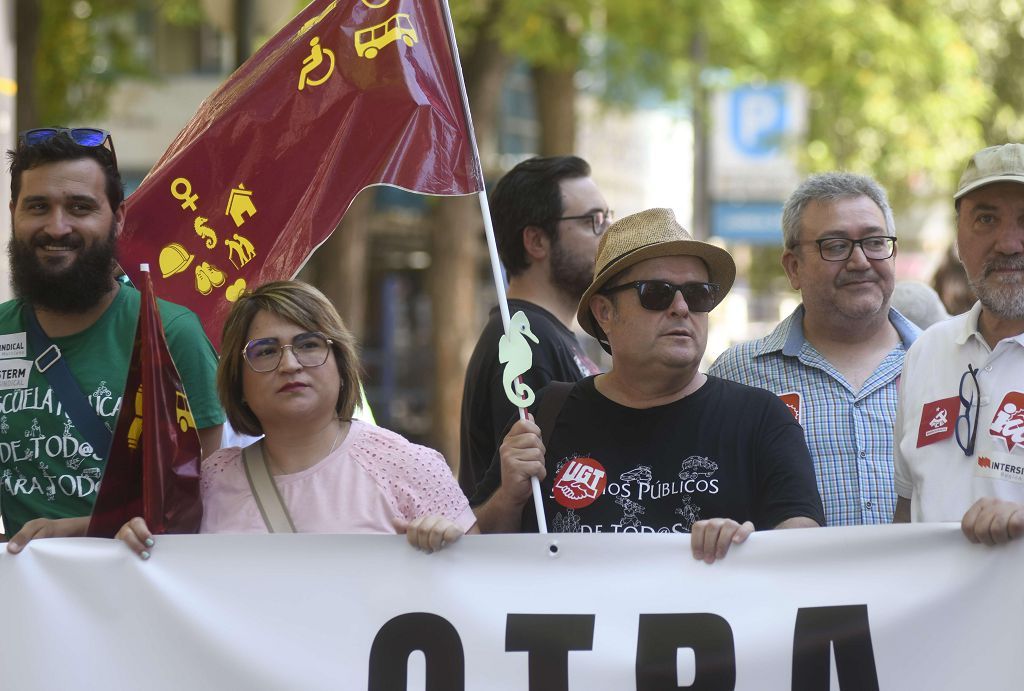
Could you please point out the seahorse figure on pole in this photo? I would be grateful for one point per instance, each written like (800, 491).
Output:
(515, 352)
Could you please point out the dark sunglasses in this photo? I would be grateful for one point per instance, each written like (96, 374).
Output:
(84, 136)
(658, 295)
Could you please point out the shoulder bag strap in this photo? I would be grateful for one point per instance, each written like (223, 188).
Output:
(264, 490)
(55, 368)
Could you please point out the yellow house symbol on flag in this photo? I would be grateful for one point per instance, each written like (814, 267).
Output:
(240, 205)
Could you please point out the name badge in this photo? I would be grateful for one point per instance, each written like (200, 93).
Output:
(14, 374)
(1000, 467)
(12, 345)
(938, 421)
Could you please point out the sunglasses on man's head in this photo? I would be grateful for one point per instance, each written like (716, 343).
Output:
(83, 136)
(658, 295)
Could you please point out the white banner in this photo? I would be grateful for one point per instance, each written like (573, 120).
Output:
(898, 608)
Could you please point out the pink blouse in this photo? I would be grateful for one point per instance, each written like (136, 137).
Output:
(372, 477)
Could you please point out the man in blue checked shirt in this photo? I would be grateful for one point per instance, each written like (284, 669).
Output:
(836, 360)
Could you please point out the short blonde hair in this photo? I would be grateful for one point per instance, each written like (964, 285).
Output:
(303, 305)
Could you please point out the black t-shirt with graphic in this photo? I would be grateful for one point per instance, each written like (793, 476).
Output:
(486, 410)
(725, 451)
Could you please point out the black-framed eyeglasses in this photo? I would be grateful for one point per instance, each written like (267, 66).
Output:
(264, 354)
(599, 220)
(84, 136)
(658, 295)
(969, 399)
(841, 249)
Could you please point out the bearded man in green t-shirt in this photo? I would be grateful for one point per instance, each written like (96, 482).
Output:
(67, 209)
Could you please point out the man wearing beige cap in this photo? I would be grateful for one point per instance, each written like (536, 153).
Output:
(654, 445)
(959, 428)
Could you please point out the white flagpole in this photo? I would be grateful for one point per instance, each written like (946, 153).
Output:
(492, 245)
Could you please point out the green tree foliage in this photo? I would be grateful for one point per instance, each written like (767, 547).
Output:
(894, 84)
(84, 47)
(894, 89)
(994, 29)
(541, 32)
(902, 89)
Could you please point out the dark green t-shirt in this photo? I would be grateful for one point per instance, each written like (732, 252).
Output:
(47, 469)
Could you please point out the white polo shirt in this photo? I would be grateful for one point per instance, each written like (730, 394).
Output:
(930, 468)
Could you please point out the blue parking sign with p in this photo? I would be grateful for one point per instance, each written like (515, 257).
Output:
(758, 117)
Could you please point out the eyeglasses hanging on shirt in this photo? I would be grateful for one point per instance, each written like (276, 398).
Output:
(970, 399)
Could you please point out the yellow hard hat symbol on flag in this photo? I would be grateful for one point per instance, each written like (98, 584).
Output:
(174, 259)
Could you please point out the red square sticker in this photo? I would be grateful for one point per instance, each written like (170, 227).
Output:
(792, 401)
(1008, 423)
(938, 420)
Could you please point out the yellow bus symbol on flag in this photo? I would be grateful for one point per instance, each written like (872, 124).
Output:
(183, 412)
(370, 41)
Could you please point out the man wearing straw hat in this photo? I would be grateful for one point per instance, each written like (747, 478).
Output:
(959, 429)
(654, 445)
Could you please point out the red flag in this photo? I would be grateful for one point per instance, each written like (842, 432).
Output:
(153, 467)
(347, 95)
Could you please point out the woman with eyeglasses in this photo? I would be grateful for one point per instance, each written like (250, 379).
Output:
(289, 371)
